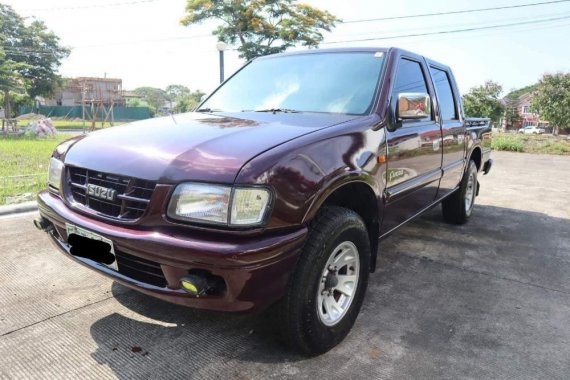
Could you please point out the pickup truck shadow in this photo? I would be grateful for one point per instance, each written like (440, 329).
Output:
(425, 263)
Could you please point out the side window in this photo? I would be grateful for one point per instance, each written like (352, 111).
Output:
(409, 78)
(444, 94)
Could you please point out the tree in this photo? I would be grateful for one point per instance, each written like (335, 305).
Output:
(552, 100)
(483, 101)
(174, 91)
(154, 97)
(137, 102)
(182, 98)
(511, 114)
(517, 93)
(262, 27)
(10, 78)
(31, 56)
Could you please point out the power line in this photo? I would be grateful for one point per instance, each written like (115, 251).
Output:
(118, 43)
(455, 12)
(132, 2)
(171, 38)
(486, 33)
(32, 50)
(444, 26)
(498, 26)
(13, 50)
(194, 36)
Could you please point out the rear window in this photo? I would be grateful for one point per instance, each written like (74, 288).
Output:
(444, 94)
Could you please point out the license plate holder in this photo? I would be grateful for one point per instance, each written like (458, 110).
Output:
(73, 229)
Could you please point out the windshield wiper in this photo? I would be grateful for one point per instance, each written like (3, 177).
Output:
(274, 110)
(207, 110)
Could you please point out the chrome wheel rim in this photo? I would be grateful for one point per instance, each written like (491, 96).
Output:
(470, 193)
(338, 283)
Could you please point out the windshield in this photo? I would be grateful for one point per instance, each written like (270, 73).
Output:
(328, 82)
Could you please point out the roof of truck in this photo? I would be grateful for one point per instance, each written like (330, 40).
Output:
(355, 49)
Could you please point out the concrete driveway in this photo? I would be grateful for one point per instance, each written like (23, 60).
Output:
(490, 299)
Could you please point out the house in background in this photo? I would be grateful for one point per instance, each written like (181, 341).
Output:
(75, 91)
(522, 114)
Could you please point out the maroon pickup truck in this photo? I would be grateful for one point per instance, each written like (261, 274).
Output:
(276, 191)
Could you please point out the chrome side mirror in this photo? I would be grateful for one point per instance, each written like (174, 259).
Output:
(413, 106)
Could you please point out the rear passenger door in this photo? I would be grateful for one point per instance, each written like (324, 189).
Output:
(452, 127)
(414, 149)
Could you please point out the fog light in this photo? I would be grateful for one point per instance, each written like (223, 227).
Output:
(195, 285)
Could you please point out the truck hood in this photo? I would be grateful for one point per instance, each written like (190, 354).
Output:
(192, 146)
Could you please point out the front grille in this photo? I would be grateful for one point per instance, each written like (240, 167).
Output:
(139, 269)
(132, 194)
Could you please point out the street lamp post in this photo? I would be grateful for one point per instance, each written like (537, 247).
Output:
(221, 46)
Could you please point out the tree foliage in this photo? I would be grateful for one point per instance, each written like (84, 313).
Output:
(154, 97)
(484, 101)
(262, 27)
(515, 94)
(511, 113)
(30, 55)
(183, 99)
(552, 99)
(10, 77)
(180, 97)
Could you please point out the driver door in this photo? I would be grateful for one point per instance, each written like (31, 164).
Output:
(414, 148)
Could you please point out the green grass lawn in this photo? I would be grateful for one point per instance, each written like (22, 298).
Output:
(544, 144)
(24, 165)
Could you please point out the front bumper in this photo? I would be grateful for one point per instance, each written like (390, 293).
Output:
(255, 269)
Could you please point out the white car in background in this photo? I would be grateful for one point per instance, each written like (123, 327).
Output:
(532, 130)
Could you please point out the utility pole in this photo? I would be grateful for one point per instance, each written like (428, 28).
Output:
(83, 91)
(221, 46)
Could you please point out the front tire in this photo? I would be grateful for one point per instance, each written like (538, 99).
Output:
(457, 207)
(327, 288)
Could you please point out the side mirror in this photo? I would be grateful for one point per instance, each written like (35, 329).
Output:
(413, 106)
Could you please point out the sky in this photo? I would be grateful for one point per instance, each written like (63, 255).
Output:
(143, 43)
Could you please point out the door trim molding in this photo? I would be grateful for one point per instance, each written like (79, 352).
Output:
(412, 184)
(452, 165)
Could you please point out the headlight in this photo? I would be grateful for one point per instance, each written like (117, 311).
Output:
(205, 203)
(54, 174)
(200, 202)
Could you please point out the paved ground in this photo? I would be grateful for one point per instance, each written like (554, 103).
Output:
(487, 300)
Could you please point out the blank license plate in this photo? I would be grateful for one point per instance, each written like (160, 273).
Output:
(73, 229)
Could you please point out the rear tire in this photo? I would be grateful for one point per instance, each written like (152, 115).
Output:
(457, 207)
(327, 288)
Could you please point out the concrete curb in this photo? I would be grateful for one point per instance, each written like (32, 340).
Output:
(18, 208)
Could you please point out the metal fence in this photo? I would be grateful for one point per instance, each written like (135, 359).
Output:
(71, 112)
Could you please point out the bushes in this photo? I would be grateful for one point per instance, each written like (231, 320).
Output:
(543, 144)
(558, 148)
(508, 142)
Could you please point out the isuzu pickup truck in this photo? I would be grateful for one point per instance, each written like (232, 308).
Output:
(276, 191)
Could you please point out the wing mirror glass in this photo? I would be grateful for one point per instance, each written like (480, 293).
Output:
(413, 105)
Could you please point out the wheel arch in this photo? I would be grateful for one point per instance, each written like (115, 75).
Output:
(477, 156)
(359, 194)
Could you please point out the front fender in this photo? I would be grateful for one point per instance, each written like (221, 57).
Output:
(303, 172)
